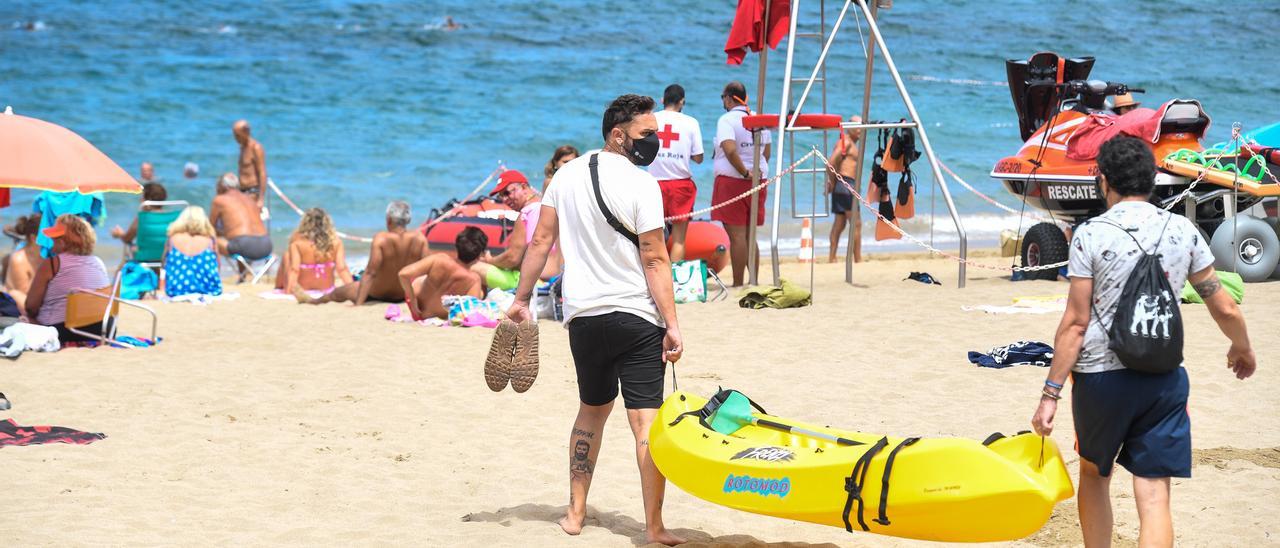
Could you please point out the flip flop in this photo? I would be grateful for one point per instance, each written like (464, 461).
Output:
(497, 367)
(524, 366)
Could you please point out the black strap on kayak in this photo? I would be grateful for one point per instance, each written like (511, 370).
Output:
(993, 438)
(883, 519)
(853, 484)
(594, 164)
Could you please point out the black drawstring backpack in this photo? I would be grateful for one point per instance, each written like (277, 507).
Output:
(1146, 331)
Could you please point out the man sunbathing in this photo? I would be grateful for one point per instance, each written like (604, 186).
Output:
(425, 282)
(503, 271)
(392, 250)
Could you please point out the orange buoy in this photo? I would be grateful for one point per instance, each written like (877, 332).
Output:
(707, 241)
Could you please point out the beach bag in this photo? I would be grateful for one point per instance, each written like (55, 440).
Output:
(1146, 331)
(137, 280)
(470, 311)
(689, 279)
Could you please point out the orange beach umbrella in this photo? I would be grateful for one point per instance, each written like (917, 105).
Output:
(38, 155)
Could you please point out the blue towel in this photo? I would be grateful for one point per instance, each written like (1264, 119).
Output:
(1019, 353)
(52, 204)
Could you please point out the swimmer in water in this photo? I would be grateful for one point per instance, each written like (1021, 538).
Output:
(450, 24)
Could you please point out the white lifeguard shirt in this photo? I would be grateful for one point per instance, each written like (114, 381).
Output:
(602, 271)
(679, 140)
(729, 128)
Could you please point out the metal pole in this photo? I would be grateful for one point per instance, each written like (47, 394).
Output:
(782, 137)
(822, 61)
(924, 138)
(862, 154)
(753, 251)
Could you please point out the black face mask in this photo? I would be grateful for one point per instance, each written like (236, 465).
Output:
(643, 151)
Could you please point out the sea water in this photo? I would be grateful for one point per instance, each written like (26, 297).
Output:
(360, 103)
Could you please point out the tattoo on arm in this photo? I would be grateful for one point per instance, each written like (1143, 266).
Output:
(584, 433)
(1208, 287)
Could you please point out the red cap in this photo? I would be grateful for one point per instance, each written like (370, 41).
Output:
(508, 178)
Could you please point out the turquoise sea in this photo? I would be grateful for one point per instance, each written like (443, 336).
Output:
(359, 103)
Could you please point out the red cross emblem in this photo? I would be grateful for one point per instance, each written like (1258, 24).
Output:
(667, 136)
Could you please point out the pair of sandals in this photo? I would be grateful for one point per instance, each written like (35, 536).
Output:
(513, 356)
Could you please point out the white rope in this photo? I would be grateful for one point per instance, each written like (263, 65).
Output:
(301, 213)
(742, 196)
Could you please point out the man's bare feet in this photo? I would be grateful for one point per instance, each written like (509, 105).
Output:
(572, 524)
(663, 536)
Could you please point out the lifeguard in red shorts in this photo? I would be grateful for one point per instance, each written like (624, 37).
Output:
(680, 141)
(734, 160)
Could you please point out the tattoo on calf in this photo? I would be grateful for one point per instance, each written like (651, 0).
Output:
(583, 433)
(580, 463)
(1207, 288)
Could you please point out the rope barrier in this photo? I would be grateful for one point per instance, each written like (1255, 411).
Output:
(989, 199)
(764, 183)
(364, 239)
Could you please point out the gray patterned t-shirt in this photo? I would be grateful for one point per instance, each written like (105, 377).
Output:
(1102, 251)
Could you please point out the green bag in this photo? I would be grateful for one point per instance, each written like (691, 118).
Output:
(1231, 282)
(689, 279)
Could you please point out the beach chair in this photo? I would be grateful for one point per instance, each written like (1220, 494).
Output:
(87, 307)
(265, 262)
(153, 232)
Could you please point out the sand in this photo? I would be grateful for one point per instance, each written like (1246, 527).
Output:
(267, 423)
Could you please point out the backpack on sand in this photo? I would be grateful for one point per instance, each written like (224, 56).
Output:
(1146, 331)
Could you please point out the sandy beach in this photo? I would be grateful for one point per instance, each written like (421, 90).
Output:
(263, 422)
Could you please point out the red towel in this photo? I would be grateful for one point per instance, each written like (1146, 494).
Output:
(12, 434)
(749, 27)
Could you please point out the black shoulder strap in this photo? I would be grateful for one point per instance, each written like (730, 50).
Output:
(1159, 236)
(883, 518)
(853, 484)
(594, 164)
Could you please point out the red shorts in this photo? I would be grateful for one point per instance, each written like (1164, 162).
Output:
(677, 197)
(736, 213)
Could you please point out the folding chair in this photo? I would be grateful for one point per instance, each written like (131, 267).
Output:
(267, 262)
(88, 307)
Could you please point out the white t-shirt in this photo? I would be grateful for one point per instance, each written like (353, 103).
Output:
(679, 139)
(1104, 252)
(729, 128)
(602, 270)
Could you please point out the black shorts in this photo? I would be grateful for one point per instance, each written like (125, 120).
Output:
(1139, 417)
(618, 348)
(841, 198)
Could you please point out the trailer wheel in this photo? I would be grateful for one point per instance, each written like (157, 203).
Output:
(1044, 244)
(1247, 246)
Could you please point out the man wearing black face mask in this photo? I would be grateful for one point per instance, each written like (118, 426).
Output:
(606, 214)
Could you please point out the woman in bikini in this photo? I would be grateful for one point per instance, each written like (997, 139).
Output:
(316, 256)
(20, 266)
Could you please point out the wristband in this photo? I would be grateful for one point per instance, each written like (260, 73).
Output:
(1047, 394)
(1052, 384)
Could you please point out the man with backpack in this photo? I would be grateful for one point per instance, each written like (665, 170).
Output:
(1121, 340)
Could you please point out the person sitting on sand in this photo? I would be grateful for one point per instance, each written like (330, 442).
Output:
(1137, 416)
(425, 282)
(72, 266)
(190, 257)
(503, 271)
(20, 266)
(392, 250)
(240, 228)
(562, 155)
(317, 258)
(151, 192)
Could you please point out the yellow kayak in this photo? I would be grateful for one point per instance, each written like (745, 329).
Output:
(946, 489)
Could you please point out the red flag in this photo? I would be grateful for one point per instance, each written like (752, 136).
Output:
(749, 27)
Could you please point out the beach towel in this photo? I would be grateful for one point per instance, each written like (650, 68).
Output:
(200, 298)
(52, 204)
(137, 280)
(1232, 283)
(468, 311)
(280, 295)
(11, 434)
(764, 296)
(1018, 353)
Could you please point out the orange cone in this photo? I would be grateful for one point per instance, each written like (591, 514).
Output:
(806, 241)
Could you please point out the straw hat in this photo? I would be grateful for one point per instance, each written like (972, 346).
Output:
(1126, 100)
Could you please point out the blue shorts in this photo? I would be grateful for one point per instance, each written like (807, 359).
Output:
(1137, 419)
